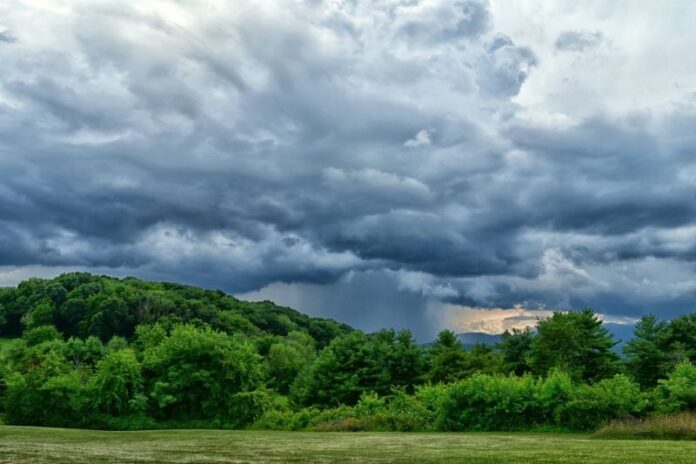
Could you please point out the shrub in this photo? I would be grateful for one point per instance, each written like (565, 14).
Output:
(196, 373)
(247, 407)
(275, 419)
(369, 404)
(48, 394)
(408, 413)
(618, 397)
(117, 381)
(551, 396)
(489, 402)
(678, 391)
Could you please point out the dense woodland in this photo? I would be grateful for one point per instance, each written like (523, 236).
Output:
(94, 351)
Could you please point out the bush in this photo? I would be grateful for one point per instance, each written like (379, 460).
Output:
(500, 403)
(247, 407)
(678, 391)
(591, 405)
(489, 402)
(117, 381)
(409, 413)
(196, 373)
(48, 394)
(287, 420)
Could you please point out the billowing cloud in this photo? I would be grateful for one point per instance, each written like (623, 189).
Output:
(381, 162)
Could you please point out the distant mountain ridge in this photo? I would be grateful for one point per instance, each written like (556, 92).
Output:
(621, 333)
(470, 339)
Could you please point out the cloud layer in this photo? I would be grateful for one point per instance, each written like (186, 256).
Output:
(377, 162)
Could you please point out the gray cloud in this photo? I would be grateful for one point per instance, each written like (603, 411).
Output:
(577, 41)
(7, 37)
(365, 161)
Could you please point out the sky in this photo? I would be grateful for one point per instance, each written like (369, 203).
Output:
(422, 164)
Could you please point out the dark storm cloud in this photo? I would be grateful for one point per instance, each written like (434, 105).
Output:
(298, 145)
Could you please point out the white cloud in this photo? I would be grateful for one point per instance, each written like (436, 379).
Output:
(421, 139)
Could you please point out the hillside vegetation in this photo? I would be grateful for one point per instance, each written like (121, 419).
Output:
(99, 352)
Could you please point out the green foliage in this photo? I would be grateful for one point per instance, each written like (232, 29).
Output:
(592, 405)
(286, 419)
(288, 357)
(678, 391)
(447, 358)
(645, 357)
(41, 334)
(47, 394)
(515, 348)
(484, 402)
(40, 315)
(576, 343)
(118, 382)
(81, 304)
(357, 363)
(450, 362)
(157, 355)
(195, 373)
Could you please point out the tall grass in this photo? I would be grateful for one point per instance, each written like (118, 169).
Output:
(679, 426)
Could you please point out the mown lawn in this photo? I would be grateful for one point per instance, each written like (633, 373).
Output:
(43, 445)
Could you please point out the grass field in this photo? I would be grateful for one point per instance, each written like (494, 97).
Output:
(43, 445)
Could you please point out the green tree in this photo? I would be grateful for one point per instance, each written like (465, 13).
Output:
(342, 372)
(41, 334)
(357, 363)
(47, 393)
(483, 359)
(111, 319)
(515, 348)
(69, 316)
(645, 357)
(287, 358)
(678, 342)
(575, 342)
(117, 381)
(40, 315)
(194, 373)
(232, 322)
(448, 361)
(407, 363)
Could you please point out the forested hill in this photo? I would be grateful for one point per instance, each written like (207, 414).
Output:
(83, 305)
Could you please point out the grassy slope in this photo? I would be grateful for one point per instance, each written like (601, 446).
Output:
(30, 445)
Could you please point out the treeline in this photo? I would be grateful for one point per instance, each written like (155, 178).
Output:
(95, 351)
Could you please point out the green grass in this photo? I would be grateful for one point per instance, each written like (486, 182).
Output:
(43, 445)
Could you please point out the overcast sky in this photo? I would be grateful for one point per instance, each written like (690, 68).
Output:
(397, 163)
